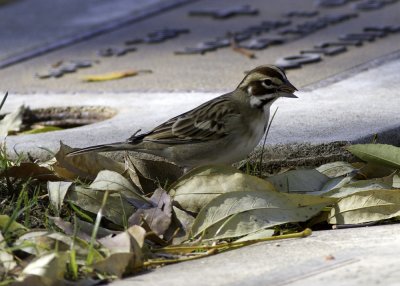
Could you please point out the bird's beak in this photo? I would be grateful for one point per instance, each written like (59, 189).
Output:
(287, 88)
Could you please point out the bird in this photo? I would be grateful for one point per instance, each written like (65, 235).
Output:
(223, 130)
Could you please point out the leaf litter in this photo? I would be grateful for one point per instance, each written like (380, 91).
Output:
(108, 219)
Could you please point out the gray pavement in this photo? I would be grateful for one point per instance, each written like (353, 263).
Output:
(29, 30)
(347, 97)
(215, 71)
(359, 256)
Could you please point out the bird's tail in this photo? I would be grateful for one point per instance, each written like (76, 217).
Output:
(118, 146)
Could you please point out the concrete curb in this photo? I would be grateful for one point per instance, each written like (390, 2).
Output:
(352, 109)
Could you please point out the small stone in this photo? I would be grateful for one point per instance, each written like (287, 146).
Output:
(158, 36)
(331, 3)
(302, 14)
(328, 51)
(225, 12)
(262, 43)
(69, 67)
(358, 36)
(369, 5)
(296, 61)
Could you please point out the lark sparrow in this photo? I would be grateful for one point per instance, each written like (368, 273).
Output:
(223, 130)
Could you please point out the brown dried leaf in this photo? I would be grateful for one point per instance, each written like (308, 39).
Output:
(149, 174)
(30, 170)
(125, 252)
(85, 229)
(159, 217)
(85, 166)
(181, 225)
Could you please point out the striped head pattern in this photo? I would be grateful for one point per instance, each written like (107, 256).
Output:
(265, 84)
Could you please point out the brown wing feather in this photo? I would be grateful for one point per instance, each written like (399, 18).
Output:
(203, 123)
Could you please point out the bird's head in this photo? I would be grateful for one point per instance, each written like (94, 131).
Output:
(265, 84)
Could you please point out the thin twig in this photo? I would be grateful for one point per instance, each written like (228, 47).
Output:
(265, 139)
(225, 246)
(240, 50)
(4, 100)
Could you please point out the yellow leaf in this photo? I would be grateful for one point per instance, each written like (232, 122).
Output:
(112, 75)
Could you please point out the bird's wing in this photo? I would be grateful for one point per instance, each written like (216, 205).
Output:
(204, 123)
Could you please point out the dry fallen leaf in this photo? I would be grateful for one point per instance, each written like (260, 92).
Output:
(85, 166)
(366, 206)
(124, 252)
(12, 122)
(239, 213)
(57, 192)
(45, 270)
(117, 209)
(113, 75)
(149, 174)
(30, 170)
(159, 217)
(7, 261)
(199, 186)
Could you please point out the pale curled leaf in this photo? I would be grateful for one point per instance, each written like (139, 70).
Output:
(41, 242)
(198, 187)
(381, 154)
(366, 206)
(7, 261)
(112, 181)
(336, 169)
(117, 209)
(12, 122)
(396, 182)
(85, 166)
(334, 184)
(57, 192)
(359, 186)
(299, 181)
(279, 205)
(241, 224)
(45, 270)
(291, 208)
(125, 252)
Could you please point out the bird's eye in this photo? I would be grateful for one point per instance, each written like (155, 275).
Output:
(267, 82)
